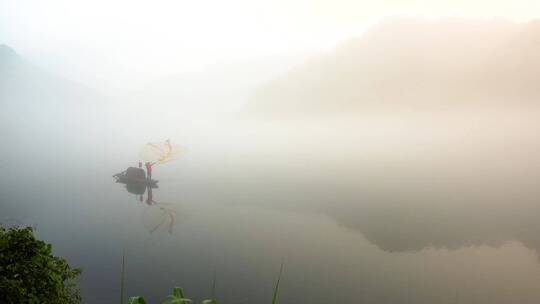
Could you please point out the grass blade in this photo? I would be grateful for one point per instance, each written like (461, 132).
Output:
(276, 289)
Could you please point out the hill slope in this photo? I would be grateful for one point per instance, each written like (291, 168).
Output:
(414, 63)
(39, 107)
(21, 82)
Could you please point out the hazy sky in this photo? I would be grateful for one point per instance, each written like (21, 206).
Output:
(154, 38)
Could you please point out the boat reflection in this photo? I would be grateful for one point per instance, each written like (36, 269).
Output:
(157, 214)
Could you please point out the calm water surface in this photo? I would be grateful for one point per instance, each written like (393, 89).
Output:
(422, 227)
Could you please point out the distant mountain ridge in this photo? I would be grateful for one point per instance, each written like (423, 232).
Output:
(414, 63)
(39, 107)
(23, 83)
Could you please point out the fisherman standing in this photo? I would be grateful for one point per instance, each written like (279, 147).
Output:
(148, 166)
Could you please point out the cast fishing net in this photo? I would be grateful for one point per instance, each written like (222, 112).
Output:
(159, 152)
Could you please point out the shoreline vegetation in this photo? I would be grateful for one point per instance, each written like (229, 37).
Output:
(30, 273)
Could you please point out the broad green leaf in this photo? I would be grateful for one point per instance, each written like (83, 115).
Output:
(177, 292)
(175, 300)
(136, 300)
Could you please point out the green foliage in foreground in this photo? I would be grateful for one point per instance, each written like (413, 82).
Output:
(29, 273)
(177, 296)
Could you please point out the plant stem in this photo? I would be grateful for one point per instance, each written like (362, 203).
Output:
(122, 278)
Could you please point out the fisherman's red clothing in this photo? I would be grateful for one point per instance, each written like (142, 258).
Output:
(148, 170)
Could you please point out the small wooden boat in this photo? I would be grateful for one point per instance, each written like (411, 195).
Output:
(126, 180)
(134, 176)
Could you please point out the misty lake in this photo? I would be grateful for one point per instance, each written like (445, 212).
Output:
(382, 152)
(356, 218)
